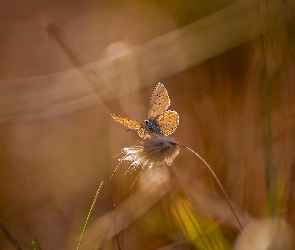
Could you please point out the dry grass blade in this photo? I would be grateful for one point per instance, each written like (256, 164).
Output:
(88, 216)
(220, 186)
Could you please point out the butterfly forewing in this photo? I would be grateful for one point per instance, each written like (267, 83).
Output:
(167, 122)
(130, 123)
(159, 101)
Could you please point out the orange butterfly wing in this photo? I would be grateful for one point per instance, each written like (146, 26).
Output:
(167, 122)
(159, 101)
(132, 124)
(143, 133)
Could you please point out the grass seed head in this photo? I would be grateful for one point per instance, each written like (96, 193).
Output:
(152, 152)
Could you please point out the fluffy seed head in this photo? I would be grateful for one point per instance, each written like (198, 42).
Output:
(151, 152)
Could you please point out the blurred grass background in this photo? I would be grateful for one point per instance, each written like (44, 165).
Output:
(233, 87)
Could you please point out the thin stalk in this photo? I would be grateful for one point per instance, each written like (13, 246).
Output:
(219, 184)
(263, 77)
(35, 243)
(88, 216)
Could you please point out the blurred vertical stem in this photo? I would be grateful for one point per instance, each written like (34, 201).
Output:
(267, 139)
(266, 121)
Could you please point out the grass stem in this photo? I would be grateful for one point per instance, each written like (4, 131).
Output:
(219, 184)
(88, 216)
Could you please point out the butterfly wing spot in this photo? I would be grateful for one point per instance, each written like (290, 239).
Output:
(128, 122)
(159, 101)
(167, 122)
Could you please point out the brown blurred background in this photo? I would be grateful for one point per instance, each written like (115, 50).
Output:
(228, 67)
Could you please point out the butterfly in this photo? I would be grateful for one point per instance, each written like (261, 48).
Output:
(160, 120)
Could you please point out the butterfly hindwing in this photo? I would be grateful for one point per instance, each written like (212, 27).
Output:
(159, 101)
(143, 133)
(167, 122)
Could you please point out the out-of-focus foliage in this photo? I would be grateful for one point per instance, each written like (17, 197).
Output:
(236, 108)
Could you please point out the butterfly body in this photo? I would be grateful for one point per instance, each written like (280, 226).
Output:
(151, 125)
(160, 120)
